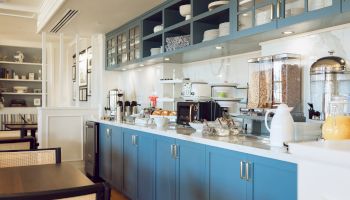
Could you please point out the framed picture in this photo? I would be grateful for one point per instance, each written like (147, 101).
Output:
(83, 94)
(74, 91)
(82, 69)
(89, 84)
(37, 102)
(89, 58)
(74, 72)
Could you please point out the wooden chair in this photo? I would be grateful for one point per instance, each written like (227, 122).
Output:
(97, 191)
(16, 158)
(25, 143)
(10, 134)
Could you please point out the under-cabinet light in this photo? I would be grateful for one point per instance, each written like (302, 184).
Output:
(142, 65)
(166, 59)
(287, 32)
(219, 47)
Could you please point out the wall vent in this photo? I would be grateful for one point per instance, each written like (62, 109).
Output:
(68, 16)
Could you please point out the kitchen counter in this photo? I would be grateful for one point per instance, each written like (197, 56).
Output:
(330, 152)
(236, 143)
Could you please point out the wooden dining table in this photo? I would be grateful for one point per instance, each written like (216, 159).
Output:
(40, 178)
(24, 128)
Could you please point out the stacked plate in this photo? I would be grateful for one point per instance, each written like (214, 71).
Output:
(210, 34)
(217, 4)
(224, 29)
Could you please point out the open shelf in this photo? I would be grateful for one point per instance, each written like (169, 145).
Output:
(201, 6)
(153, 42)
(18, 63)
(172, 13)
(20, 80)
(209, 22)
(15, 93)
(150, 22)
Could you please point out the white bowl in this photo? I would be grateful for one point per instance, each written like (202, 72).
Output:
(210, 34)
(20, 89)
(161, 122)
(197, 126)
(158, 28)
(226, 104)
(185, 11)
(155, 51)
(217, 4)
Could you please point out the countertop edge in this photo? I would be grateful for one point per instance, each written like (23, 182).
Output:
(277, 154)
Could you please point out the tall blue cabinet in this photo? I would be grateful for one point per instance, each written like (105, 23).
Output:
(138, 165)
(111, 155)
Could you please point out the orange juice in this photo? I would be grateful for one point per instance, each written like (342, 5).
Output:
(336, 128)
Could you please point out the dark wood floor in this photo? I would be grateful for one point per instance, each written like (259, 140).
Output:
(117, 196)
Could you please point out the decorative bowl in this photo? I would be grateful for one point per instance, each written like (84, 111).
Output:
(185, 11)
(158, 28)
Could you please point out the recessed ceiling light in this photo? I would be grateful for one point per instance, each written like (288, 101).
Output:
(219, 47)
(142, 65)
(166, 59)
(123, 69)
(287, 32)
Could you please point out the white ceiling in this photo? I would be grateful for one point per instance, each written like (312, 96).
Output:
(100, 16)
(95, 16)
(18, 19)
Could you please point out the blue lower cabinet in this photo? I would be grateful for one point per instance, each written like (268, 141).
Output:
(146, 166)
(224, 180)
(345, 5)
(165, 169)
(130, 164)
(271, 179)
(138, 165)
(191, 171)
(117, 158)
(105, 157)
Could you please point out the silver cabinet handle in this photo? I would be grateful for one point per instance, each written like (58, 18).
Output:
(241, 170)
(247, 171)
(134, 139)
(173, 151)
(108, 132)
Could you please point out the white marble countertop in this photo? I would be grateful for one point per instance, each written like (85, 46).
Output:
(329, 152)
(235, 143)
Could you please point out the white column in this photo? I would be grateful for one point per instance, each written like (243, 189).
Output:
(77, 39)
(43, 70)
(61, 70)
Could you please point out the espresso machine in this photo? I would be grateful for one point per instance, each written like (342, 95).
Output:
(329, 77)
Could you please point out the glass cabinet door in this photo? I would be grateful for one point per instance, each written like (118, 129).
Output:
(134, 43)
(122, 48)
(319, 4)
(252, 13)
(111, 51)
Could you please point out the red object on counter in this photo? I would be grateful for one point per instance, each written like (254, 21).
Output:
(153, 100)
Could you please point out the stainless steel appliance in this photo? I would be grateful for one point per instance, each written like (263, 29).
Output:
(329, 77)
(114, 96)
(91, 149)
(190, 111)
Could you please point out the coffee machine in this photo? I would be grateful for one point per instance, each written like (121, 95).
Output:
(115, 99)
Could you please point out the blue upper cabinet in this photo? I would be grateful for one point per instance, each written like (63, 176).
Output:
(117, 157)
(123, 46)
(224, 174)
(296, 11)
(165, 169)
(105, 156)
(191, 171)
(270, 179)
(254, 16)
(345, 5)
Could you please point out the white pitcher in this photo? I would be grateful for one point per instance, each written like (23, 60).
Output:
(282, 128)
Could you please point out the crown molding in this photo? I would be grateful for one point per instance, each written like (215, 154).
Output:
(47, 11)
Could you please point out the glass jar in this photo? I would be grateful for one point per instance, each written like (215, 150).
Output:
(337, 124)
